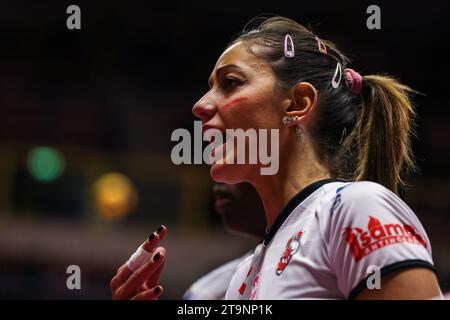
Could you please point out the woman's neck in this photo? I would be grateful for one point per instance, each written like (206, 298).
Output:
(295, 173)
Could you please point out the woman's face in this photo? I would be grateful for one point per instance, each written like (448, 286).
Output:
(242, 95)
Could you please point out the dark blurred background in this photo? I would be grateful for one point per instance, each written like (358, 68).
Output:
(86, 118)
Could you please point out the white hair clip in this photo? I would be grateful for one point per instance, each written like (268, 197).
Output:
(288, 52)
(321, 46)
(337, 76)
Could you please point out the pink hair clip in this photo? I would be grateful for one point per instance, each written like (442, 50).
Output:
(288, 53)
(321, 46)
(354, 80)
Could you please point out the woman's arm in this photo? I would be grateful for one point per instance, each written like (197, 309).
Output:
(414, 284)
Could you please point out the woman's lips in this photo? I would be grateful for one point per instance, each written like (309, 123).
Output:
(206, 127)
(220, 149)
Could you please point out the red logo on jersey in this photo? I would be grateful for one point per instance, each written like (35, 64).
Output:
(244, 285)
(255, 287)
(291, 248)
(363, 242)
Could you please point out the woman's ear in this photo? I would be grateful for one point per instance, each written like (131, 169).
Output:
(304, 99)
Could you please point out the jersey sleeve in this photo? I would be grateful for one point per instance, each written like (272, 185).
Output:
(214, 285)
(372, 229)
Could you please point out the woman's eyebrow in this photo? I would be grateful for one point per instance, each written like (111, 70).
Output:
(220, 70)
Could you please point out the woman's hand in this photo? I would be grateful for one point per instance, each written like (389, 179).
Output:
(142, 284)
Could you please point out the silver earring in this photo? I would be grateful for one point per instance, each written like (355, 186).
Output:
(288, 120)
(298, 132)
(298, 129)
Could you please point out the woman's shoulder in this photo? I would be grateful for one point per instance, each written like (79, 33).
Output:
(366, 189)
(371, 213)
(359, 192)
(353, 200)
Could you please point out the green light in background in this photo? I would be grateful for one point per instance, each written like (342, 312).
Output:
(45, 163)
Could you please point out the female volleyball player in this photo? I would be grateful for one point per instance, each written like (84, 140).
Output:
(335, 221)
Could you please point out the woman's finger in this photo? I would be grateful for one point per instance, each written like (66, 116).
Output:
(135, 281)
(151, 294)
(153, 280)
(153, 240)
(121, 267)
(144, 287)
(123, 274)
(145, 251)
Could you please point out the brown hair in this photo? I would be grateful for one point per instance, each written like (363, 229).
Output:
(376, 123)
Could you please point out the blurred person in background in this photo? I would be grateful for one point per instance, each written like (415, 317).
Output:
(242, 213)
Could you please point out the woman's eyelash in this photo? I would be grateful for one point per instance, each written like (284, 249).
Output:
(229, 83)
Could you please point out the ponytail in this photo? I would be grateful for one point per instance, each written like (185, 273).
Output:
(383, 129)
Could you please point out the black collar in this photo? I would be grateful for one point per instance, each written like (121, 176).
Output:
(292, 204)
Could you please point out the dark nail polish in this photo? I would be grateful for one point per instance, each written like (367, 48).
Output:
(160, 229)
(152, 236)
(156, 257)
(157, 289)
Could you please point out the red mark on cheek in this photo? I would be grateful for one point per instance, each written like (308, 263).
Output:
(235, 102)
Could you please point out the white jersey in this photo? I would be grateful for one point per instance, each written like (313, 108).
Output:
(326, 241)
(214, 284)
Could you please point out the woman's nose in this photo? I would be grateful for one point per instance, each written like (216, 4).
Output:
(204, 110)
